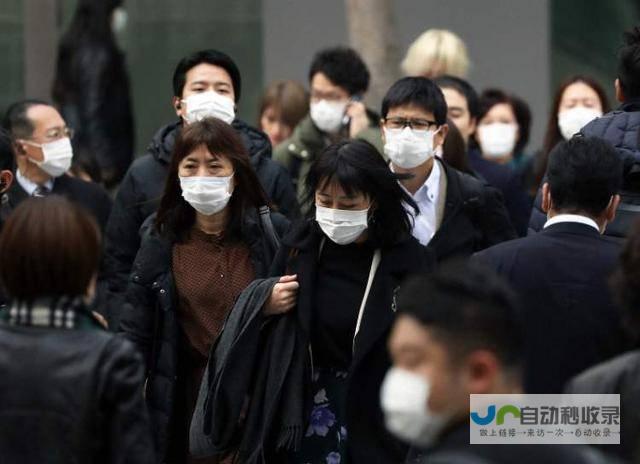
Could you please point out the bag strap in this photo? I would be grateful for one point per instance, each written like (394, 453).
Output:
(268, 228)
(375, 262)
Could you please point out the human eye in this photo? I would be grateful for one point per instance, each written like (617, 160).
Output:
(420, 124)
(395, 123)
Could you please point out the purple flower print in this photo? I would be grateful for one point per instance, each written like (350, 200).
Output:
(322, 419)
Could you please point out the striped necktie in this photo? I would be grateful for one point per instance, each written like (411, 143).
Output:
(41, 191)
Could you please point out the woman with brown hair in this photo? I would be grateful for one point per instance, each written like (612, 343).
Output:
(283, 106)
(70, 390)
(212, 235)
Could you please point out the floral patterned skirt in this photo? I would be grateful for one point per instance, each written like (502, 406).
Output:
(325, 441)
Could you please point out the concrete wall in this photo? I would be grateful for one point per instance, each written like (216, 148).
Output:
(508, 41)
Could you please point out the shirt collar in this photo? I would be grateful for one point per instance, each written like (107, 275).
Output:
(576, 218)
(429, 189)
(30, 186)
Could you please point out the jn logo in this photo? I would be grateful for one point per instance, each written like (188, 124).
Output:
(491, 414)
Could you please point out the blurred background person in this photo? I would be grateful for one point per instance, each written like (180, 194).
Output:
(434, 53)
(206, 244)
(283, 105)
(7, 167)
(459, 331)
(44, 155)
(463, 106)
(76, 388)
(338, 80)
(497, 151)
(577, 101)
(454, 150)
(91, 88)
(620, 129)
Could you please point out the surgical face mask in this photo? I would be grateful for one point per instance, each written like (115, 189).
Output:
(328, 115)
(404, 397)
(208, 104)
(119, 19)
(571, 121)
(340, 225)
(497, 139)
(57, 156)
(207, 195)
(408, 148)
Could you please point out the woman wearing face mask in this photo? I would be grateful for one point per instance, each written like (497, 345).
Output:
(495, 151)
(207, 242)
(578, 101)
(350, 256)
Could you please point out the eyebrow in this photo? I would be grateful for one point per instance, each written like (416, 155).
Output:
(344, 197)
(215, 83)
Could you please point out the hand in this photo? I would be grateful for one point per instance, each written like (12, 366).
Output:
(101, 320)
(284, 296)
(359, 119)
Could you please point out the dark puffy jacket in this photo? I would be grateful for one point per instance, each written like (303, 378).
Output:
(621, 128)
(142, 188)
(71, 396)
(150, 317)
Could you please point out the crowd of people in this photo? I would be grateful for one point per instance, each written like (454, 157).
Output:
(328, 287)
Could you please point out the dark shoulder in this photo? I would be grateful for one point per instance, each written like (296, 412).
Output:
(142, 165)
(503, 249)
(69, 184)
(280, 223)
(609, 376)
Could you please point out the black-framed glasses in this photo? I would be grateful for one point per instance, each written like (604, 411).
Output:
(412, 123)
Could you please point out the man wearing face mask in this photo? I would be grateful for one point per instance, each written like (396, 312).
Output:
(562, 273)
(338, 79)
(458, 332)
(206, 83)
(458, 213)
(43, 157)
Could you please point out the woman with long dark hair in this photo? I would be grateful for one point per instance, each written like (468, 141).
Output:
(578, 100)
(211, 237)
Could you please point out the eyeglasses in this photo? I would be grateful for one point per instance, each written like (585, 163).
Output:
(414, 124)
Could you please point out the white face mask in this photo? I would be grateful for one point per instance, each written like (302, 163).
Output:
(207, 195)
(404, 397)
(119, 19)
(57, 156)
(497, 139)
(208, 104)
(408, 148)
(571, 121)
(328, 115)
(340, 225)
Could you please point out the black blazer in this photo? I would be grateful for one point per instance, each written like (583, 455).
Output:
(474, 217)
(570, 320)
(89, 195)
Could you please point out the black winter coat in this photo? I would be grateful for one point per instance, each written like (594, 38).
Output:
(142, 188)
(150, 316)
(369, 441)
(621, 128)
(71, 395)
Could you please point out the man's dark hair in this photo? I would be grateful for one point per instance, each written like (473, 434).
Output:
(583, 174)
(7, 155)
(416, 91)
(342, 66)
(16, 120)
(467, 308)
(214, 57)
(463, 88)
(629, 64)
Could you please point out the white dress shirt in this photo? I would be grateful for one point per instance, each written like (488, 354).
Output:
(572, 218)
(426, 197)
(29, 186)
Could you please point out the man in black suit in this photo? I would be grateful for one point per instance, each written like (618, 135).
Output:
(43, 157)
(459, 214)
(561, 273)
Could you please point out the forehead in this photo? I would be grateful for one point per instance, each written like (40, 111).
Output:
(333, 189)
(454, 98)
(201, 152)
(208, 73)
(44, 116)
(409, 111)
(500, 110)
(320, 81)
(579, 90)
(408, 331)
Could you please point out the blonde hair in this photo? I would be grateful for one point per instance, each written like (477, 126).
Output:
(436, 52)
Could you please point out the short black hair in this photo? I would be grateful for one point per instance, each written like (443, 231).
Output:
(7, 155)
(357, 166)
(416, 91)
(583, 174)
(629, 63)
(463, 88)
(214, 57)
(467, 307)
(342, 66)
(16, 120)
